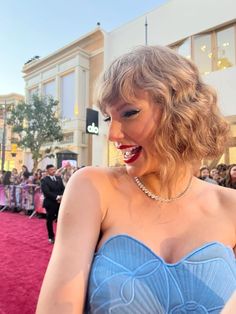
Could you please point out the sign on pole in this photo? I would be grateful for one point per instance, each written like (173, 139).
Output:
(92, 121)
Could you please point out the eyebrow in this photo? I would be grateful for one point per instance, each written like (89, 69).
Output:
(120, 107)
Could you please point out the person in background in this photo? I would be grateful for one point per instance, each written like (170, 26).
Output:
(26, 199)
(230, 179)
(24, 173)
(222, 169)
(37, 178)
(213, 171)
(205, 175)
(214, 174)
(43, 174)
(52, 188)
(6, 181)
(65, 172)
(15, 191)
(15, 179)
(149, 237)
(25, 178)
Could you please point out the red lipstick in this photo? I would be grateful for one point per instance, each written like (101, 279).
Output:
(124, 146)
(133, 158)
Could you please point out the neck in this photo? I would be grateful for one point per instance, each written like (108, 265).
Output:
(174, 186)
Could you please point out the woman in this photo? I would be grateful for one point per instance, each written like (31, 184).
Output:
(214, 174)
(230, 179)
(7, 183)
(205, 175)
(24, 173)
(65, 172)
(14, 177)
(37, 177)
(163, 239)
(222, 170)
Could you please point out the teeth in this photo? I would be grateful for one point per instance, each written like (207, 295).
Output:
(129, 152)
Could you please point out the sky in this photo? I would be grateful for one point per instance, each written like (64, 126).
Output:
(29, 28)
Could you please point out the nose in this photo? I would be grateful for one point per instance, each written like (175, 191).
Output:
(115, 132)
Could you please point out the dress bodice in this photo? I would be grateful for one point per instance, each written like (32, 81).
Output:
(127, 277)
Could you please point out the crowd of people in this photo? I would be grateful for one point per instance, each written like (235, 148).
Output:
(222, 174)
(27, 176)
(20, 186)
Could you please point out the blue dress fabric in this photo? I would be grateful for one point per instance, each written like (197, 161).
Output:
(127, 277)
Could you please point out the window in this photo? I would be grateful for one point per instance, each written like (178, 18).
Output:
(49, 89)
(225, 48)
(68, 138)
(202, 53)
(211, 51)
(184, 48)
(67, 99)
(33, 91)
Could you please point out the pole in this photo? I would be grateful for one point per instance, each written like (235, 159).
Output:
(146, 31)
(4, 136)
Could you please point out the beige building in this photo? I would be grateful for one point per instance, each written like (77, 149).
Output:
(14, 156)
(68, 75)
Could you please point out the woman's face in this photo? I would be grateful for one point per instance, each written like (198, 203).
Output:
(132, 127)
(205, 173)
(233, 173)
(213, 172)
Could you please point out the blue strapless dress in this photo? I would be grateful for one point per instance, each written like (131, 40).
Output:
(127, 277)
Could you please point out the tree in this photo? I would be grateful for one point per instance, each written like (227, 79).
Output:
(36, 123)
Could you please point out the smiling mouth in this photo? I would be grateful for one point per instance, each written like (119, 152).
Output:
(131, 154)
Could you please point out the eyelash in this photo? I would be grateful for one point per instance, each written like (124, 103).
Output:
(126, 114)
(130, 113)
(107, 119)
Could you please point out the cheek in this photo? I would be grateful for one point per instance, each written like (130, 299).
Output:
(145, 135)
(148, 130)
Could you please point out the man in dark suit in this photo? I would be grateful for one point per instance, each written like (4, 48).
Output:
(52, 188)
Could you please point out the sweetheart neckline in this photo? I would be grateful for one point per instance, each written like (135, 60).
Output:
(184, 258)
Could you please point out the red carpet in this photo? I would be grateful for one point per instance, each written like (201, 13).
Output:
(24, 254)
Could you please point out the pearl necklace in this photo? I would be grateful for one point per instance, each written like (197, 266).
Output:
(159, 198)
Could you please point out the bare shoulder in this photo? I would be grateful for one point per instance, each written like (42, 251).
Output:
(97, 173)
(95, 184)
(226, 200)
(227, 197)
(220, 198)
(90, 172)
(100, 178)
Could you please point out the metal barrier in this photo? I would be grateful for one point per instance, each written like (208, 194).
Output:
(27, 197)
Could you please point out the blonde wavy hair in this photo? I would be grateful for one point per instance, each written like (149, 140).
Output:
(191, 126)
